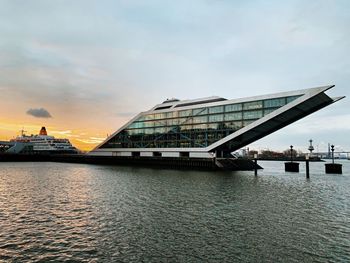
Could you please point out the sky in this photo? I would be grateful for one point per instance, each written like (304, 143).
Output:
(84, 68)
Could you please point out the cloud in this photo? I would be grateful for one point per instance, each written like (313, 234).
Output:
(91, 140)
(62, 132)
(39, 113)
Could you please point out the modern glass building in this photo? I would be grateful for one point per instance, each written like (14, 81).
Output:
(210, 127)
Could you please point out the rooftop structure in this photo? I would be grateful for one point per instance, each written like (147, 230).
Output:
(210, 127)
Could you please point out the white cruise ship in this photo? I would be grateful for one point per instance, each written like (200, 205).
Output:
(43, 143)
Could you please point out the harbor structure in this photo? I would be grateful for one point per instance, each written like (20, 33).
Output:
(211, 127)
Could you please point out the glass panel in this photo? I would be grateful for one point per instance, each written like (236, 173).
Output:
(185, 113)
(185, 144)
(200, 119)
(247, 115)
(160, 123)
(212, 126)
(149, 124)
(159, 116)
(234, 125)
(132, 125)
(139, 125)
(149, 131)
(200, 127)
(168, 130)
(142, 118)
(267, 111)
(253, 105)
(216, 109)
(186, 127)
(233, 116)
(216, 118)
(130, 132)
(172, 122)
(274, 103)
(290, 99)
(136, 132)
(159, 130)
(149, 117)
(186, 121)
(233, 107)
(201, 111)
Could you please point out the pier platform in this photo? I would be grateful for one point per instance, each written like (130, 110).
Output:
(228, 164)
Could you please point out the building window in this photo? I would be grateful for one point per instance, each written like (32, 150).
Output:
(200, 111)
(216, 118)
(200, 127)
(248, 115)
(149, 124)
(185, 113)
(159, 116)
(274, 103)
(233, 116)
(233, 107)
(267, 111)
(160, 123)
(217, 109)
(186, 127)
(169, 114)
(253, 105)
(149, 117)
(200, 119)
(233, 125)
(212, 126)
(160, 130)
(149, 131)
(290, 99)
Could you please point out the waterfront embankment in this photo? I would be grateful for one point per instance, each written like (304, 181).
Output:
(160, 162)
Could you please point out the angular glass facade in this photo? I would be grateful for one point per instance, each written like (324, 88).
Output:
(193, 128)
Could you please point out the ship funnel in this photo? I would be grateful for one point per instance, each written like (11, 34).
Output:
(43, 131)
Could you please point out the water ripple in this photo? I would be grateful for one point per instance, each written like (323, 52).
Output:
(54, 212)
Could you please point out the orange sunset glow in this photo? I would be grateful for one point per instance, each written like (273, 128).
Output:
(82, 138)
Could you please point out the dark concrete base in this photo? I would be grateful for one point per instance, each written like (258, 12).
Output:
(161, 162)
(291, 167)
(333, 168)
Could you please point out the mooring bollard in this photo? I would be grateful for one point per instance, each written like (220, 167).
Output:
(307, 166)
(333, 168)
(256, 165)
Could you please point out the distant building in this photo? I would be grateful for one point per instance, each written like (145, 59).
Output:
(210, 127)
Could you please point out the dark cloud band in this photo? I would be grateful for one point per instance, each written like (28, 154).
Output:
(39, 113)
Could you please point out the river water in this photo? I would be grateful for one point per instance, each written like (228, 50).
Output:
(56, 212)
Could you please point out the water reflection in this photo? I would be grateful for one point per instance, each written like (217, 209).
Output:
(60, 212)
